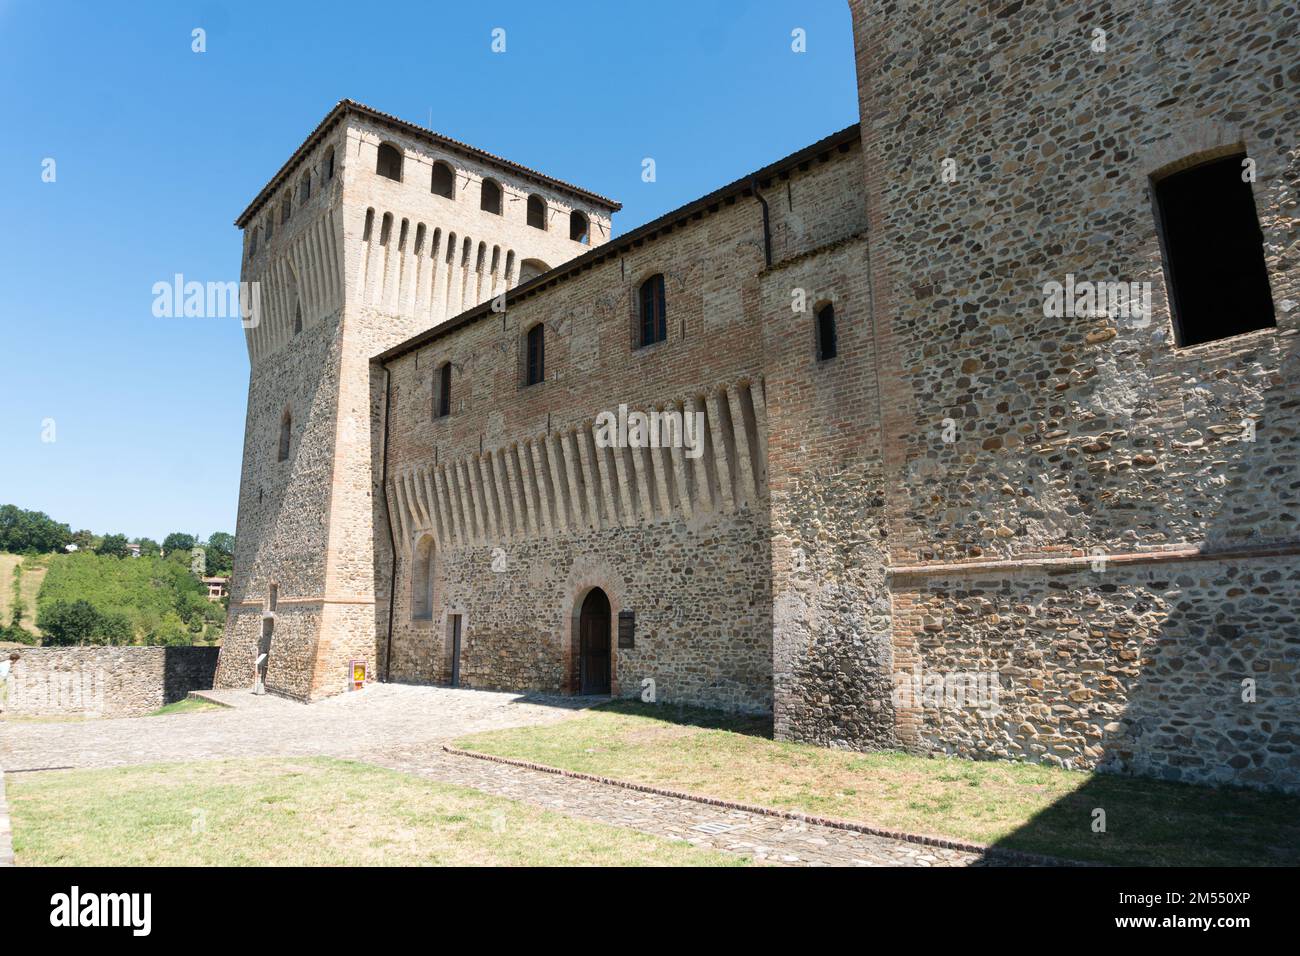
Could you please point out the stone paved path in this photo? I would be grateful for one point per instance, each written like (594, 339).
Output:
(403, 728)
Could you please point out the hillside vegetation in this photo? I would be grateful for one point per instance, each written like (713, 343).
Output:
(20, 579)
(100, 599)
(59, 586)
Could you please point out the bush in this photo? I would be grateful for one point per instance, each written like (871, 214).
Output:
(70, 622)
(17, 634)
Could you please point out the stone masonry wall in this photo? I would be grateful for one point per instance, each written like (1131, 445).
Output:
(106, 681)
(1079, 436)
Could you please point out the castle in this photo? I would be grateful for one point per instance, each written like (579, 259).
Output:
(977, 430)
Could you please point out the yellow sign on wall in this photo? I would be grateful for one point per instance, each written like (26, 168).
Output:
(358, 675)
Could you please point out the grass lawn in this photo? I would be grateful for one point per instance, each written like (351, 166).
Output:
(186, 705)
(304, 812)
(1017, 806)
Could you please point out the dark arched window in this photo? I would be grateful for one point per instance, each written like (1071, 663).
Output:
(286, 210)
(389, 162)
(304, 189)
(442, 401)
(490, 200)
(286, 426)
(536, 371)
(537, 212)
(826, 346)
(252, 242)
(444, 181)
(578, 227)
(654, 312)
(329, 165)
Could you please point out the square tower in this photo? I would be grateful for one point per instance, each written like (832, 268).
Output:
(374, 230)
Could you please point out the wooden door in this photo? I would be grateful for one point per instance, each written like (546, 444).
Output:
(593, 643)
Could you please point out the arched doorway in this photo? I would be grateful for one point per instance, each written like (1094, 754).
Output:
(593, 644)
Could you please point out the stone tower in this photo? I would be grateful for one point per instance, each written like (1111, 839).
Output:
(373, 230)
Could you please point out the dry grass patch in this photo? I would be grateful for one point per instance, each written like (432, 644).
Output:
(32, 575)
(304, 812)
(1015, 805)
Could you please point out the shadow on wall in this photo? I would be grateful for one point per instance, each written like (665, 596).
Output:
(186, 669)
(1202, 660)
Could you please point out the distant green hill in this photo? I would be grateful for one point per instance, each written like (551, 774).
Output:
(145, 600)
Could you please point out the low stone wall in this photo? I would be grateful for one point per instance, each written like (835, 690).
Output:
(106, 681)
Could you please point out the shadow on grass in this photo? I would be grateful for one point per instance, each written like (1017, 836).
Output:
(750, 725)
(1157, 823)
(1147, 822)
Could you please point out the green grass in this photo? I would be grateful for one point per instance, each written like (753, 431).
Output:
(1014, 805)
(188, 705)
(304, 812)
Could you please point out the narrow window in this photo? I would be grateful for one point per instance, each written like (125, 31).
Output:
(490, 200)
(578, 227)
(297, 318)
(442, 406)
(252, 242)
(273, 598)
(270, 227)
(286, 423)
(386, 229)
(329, 165)
(286, 209)
(369, 226)
(826, 332)
(443, 180)
(1214, 252)
(654, 314)
(422, 581)
(304, 189)
(536, 354)
(537, 212)
(389, 162)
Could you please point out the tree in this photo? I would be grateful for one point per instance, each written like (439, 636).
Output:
(149, 547)
(178, 541)
(23, 531)
(84, 539)
(114, 545)
(69, 622)
(221, 553)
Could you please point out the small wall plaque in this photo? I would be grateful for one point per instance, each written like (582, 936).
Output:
(626, 629)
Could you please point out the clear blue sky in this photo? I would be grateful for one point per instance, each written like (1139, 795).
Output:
(159, 148)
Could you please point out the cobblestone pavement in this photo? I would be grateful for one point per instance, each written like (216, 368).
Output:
(349, 725)
(404, 727)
